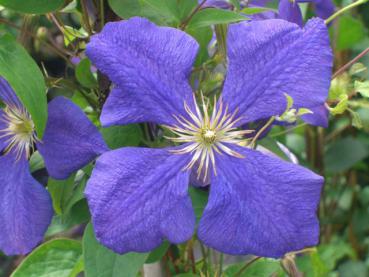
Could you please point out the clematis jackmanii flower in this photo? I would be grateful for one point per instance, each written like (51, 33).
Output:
(25, 205)
(258, 204)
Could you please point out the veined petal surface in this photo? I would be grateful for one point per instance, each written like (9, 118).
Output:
(261, 205)
(150, 67)
(138, 197)
(271, 58)
(70, 141)
(25, 207)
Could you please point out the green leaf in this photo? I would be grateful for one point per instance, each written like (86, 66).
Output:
(236, 4)
(61, 191)
(23, 74)
(70, 34)
(362, 88)
(211, 16)
(333, 252)
(126, 8)
(350, 32)
(358, 68)
(121, 136)
(199, 200)
(353, 268)
(356, 120)
(32, 6)
(102, 262)
(262, 267)
(54, 258)
(341, 107)
(254, 10)
(158, 253)
(203, 36)
(36, 162)
(66, 193)
(84, 75)
(185, 7)
(345, 153)
(159, 11)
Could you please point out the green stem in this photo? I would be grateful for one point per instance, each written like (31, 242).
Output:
(221, 264)
(85, 17)
(102, 14)
(344, 9)
(238, 274)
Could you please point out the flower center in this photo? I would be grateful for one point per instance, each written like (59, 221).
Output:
(206, 135)
(19, 132)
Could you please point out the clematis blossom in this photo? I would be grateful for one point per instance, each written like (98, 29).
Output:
(258, 204)
(25, 205)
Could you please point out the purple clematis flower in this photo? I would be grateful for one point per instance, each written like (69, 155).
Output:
(25, 205)
(258, 204)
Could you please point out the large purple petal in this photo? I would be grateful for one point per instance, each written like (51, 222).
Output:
(261, 205)
(324, 8)
(274, 58)
(25, 207)
(149, 64)
(7, 94)
(319, 116)
(138, 197)
(290, 11)
(70, 141)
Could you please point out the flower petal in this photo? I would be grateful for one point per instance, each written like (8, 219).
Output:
(319, 116)
(149, 64)
(324, 8)
(25, 207)
(7, 94)
(277, 58)
(261, 205)
(290, 11)
(138, 197)
(70, 141)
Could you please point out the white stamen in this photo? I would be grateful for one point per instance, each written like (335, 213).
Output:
(206, 134)
(19, 132)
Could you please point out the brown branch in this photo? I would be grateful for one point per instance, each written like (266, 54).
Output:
(350, 63)
(188, 19)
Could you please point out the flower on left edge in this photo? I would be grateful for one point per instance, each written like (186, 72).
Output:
(70, 142)
(258, 204)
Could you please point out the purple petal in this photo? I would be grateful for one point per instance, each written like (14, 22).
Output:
(324, 8)
(290, 11)
(138, 197)
(277, 57)
(261, 205)
(25, 207)
(149, 64)
(70, 141)
(319, 116)
(7, 94)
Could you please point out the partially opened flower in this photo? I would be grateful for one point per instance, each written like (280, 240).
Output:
(258, 204)
(25, 205)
